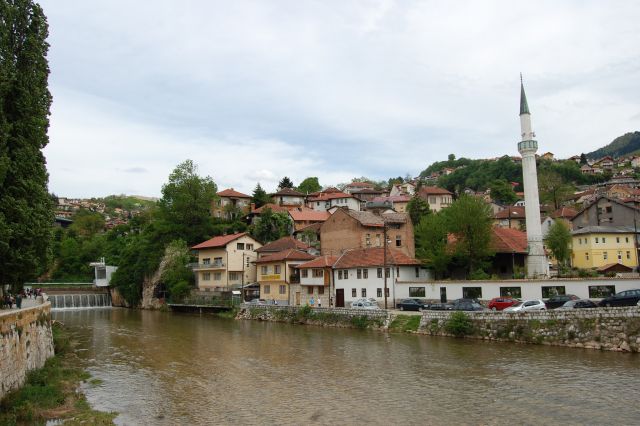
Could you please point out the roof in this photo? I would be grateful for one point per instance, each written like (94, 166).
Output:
(373, 257)
(524, 106)
(359, 185)
(321, 196)
(367, 191)
(393, 198)
(232, 193)
(283, 243)
(219, 241)
(564, 212)
(509, 240)
(431, 190)
(511, 212)
(290, 254)
(604, 230)
(325, 261)
(367, 218)
(274, 208)
(307, 214)
(290, 192)
(314, 227)
(615, 267)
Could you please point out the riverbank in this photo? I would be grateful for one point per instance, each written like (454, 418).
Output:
(608, 329)
(50, 393)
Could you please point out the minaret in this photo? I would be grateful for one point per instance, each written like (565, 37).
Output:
(537, 265)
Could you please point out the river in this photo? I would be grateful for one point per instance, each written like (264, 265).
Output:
(164, 369)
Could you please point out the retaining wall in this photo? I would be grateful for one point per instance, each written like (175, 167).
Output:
(615, 329)
(26, 342)
(335, 317)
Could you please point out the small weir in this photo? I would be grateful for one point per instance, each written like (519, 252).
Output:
(80, 301)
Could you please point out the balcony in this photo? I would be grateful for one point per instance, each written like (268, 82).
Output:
(294, 279)
(205, 266)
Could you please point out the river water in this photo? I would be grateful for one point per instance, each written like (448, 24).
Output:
(165, 369)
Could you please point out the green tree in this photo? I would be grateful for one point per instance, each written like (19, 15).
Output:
(177, 278)
(583, 159)
(271, 226)
(417, 209)
(26, 211)
(309, 185)
(87, 223)
(285, 183)
(260, 196)
(502, 192)
(553, 188)
(558, 240)
(431, 243)
(451, 157)
(469, 220)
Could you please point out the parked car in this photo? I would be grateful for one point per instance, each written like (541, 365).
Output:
(412, 305)
(258, 302)
(559, 300)
(500, 303)
(466, 305)
(623, 298)
(578, 304)
(527, 305)
(365, 299)
(365, 305)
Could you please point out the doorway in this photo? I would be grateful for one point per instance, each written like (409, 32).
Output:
(340, 298)
(443, 295)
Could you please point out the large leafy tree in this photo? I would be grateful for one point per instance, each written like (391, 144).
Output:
(553, 188)
(260, 196)
(558, 240)
(417, 209)
(469, 221)
(431, 243)
(309, 185)
(502, 192)
(26, 213)
(271, 226)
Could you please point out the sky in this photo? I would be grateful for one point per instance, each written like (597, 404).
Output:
(253, 91)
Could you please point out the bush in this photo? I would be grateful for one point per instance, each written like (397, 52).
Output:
(305, 312)
(459, 324)
(479, 274)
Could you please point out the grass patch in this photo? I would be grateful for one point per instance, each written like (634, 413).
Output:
(405, 323)
(50, 392)
(230, 314)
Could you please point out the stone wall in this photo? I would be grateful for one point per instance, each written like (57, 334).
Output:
(26, 342)
(334, 317)
(614, 329)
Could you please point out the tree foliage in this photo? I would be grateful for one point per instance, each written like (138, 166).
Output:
(558, 240)
(285, 182)
(502, 192)
(431, 243)
(309, 185)
(271, 226)
(26, 213)
(177, 278)
(417, 209)
(260, 196)
(87, 223)
(553, 189)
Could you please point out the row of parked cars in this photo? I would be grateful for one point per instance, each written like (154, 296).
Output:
(508, 304)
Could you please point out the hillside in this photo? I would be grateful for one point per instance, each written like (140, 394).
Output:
(626, 144)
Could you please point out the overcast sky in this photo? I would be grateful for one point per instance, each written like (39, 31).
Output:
(256, 90)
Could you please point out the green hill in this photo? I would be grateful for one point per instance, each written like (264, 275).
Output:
(626, 144)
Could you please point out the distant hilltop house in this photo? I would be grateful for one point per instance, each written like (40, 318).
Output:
(230, 202)
(437, 198)
(325, 200)
(288, 197)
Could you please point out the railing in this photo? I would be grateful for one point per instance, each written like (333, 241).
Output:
(214, 265)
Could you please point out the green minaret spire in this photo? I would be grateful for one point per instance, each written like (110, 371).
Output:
(524, 106)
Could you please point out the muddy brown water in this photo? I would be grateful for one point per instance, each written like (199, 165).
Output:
(159, 368)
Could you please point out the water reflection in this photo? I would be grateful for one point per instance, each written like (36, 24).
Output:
(163, 368)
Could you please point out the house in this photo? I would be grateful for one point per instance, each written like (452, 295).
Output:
(635, 161)
(288, 197)
(587, 170)
(349, 229)
(622, 191)
(316, 280)
(565, 214)
(230, 204)
(360, 273)
(406, 188)
(366, 194)
(276, 272)
(354, 187)
(605, 163)
(323, 201)
(275, 208)
(437, 198)
(309, 235)
(511, 217)
(598, 246)
(396, 202)
(225, 262)
(575, 158)
(605, 211)
(511, 249)
(304, 216)
(547, 156)
(282, 244)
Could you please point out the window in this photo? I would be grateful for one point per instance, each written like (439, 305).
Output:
(267, 289)
(628, 255)
(397, 271)
(248, 261)
(472, 292)
(609, 209)
(379, 292)
(617, 239)
(417, 292)
(579, 240)
(233, 276)
(511, 292)
(318, 273)
(387, 272)
(601, 291)
(340, 274)
(417, 272)
(217, 260)
(365, 273)
(586, 256)
(619, 256)
(604, 240)
(320, 290)
(304, 273)
(378, 240)
(283, 289)
(217, 276)
(249, 246)
(379, 272)
(310, 290)
(345, 273)
(363, 292)
(596, 240)
(354, 293)
(264, 270)
(605, 255)
(386, 291)
(206, 261)
(276, 269)
(206, 276)
(368, 240)
(398, 241)
(550, 291)
(240, 246)
(432, 199)
(359, 274)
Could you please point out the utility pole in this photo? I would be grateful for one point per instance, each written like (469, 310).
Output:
(384, 261)
(242, 281)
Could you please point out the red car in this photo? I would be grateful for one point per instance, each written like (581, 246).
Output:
(500, 303)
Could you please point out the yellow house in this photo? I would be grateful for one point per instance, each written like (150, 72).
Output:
(276, 272)
(226, 262)
(597, 246)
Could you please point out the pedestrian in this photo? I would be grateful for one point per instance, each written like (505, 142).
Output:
(19, 301)
(319, 302)
(311, 301)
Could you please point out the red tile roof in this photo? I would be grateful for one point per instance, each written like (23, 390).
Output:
(322, 196)
(219, 241)
(509, 240)
(359, 185)
(290, 254)
(373, 257)
(393, 198)
(325, 261)
(511, 212)
(283, 243)
(233, 193)
(307, 214)
(274, 208)
(564, 212)
(430, 190)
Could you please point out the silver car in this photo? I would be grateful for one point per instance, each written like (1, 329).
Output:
(364, 305)
(527, 305)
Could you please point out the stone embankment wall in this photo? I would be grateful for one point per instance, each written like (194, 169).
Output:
(332, 317)
(26, 342)
(614, 329)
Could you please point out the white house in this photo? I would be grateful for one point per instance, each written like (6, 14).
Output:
(323, 201)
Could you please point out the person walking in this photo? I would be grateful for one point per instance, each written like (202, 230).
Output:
(19, 300)
(319, 302)
(311, 301)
